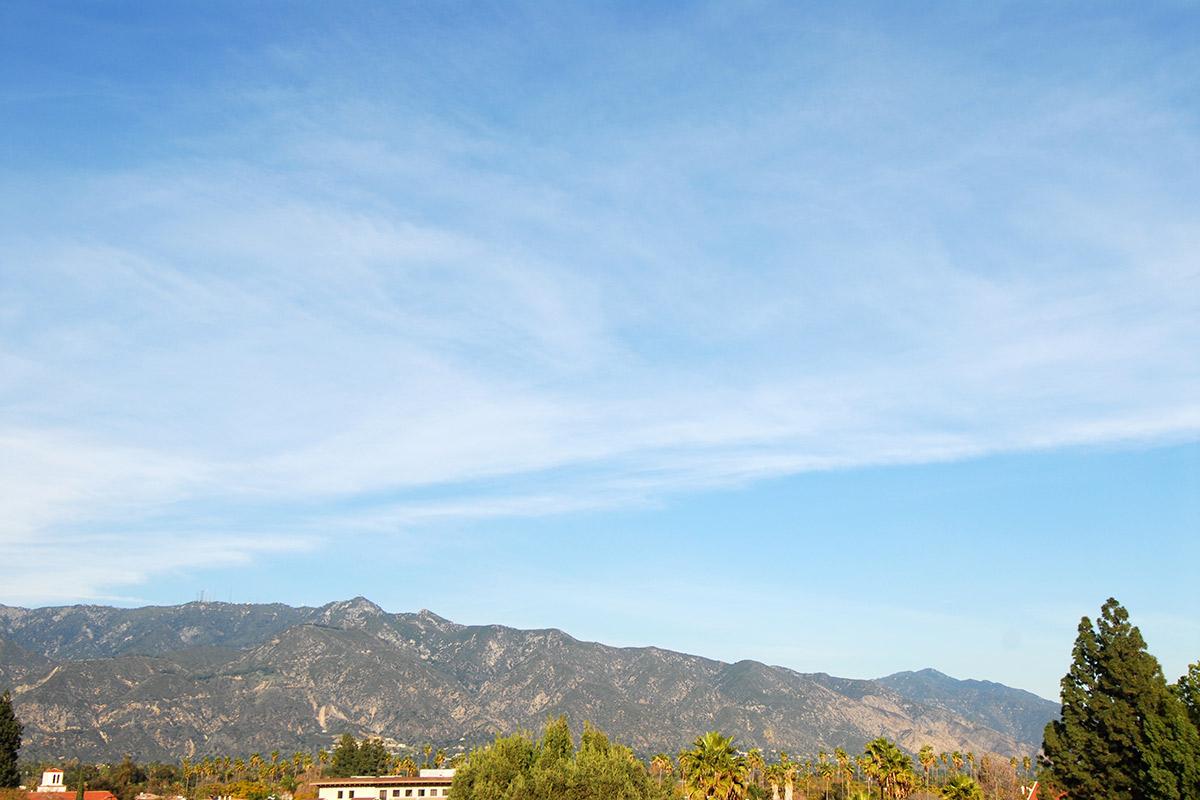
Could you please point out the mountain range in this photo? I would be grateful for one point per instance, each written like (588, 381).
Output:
(164, 682)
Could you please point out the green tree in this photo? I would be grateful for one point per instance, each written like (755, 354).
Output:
(888, 766)
(343, 762)
(774, 777)
(960, 787)
(373, 758)
(10, 743)
(496, 772)
(604, 770)
(927, 759)
(556, 745)
(1123, 735)
(845, 766)
(756, 767)
(1187, 688)
(125, 779)
(661, 767)
(713, 769)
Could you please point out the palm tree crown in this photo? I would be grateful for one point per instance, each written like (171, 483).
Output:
(713, 769)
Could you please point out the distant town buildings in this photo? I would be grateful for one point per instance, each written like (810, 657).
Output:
(426, 783)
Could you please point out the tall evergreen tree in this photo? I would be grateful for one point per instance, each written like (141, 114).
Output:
(345, 761)
(10, 743)
(373, 758)
(556, 745)
(1123, 734)
(1188, 690)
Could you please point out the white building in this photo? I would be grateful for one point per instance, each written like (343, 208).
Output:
(427, 783)
(52, 781)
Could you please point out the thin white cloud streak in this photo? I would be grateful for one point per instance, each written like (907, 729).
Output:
(94, 567)
(327, 310)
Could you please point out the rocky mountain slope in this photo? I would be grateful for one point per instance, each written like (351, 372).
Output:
(165, 682)
(1019, 713)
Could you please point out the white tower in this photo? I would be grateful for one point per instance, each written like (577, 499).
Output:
(52, 781)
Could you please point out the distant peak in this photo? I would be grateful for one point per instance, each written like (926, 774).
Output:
(928, 672)
(426, 615)
(932, 673)
(355, 607)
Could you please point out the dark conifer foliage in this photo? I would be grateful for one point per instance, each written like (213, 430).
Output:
(1188, 690)
(352, 758)
(1123, 735)
(10, 743)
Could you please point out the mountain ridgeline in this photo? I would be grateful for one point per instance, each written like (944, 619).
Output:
(97, 683)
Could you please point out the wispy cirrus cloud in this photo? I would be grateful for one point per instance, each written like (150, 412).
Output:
(355, 293)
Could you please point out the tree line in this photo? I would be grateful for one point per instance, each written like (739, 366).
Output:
(519, 767)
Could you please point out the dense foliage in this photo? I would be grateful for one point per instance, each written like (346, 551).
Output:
(961, 787)
(518, 768)
(713, 769)
(10, 743)
(889, 767)
(352, 758)
(1187, 688)
(1124, 734)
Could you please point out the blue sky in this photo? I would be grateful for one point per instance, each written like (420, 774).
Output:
(852, 339)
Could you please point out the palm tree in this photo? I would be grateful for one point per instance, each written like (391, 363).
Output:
(957, 758)
(961, 787)
(789, 769)
(774, 775)
(844, 768)
(927, 759)
(713, 769)
(661, 766)
(971, 762)
(889, 766)
(826, 771)
(756, 765)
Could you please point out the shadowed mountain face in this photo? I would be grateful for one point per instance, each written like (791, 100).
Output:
(165, 682)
